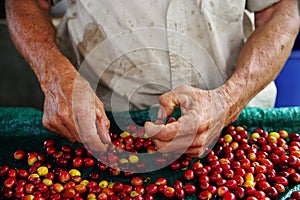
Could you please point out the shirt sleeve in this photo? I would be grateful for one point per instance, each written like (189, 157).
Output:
(258, 5)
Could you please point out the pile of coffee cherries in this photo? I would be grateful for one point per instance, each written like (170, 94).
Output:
(242, 165)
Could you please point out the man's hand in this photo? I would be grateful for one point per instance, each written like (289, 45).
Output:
(74, 111)
(206, 112)
(71, 107)
(203, 117)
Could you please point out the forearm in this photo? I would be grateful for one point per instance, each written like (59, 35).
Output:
(263, 55)
(33, 34)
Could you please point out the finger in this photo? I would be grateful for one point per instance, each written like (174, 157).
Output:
(47, 125)
(60, 129)
(201, 146)
(162, 132)
(168, 101)
(88, 131)
(68, 122)
(177, 145)
(194, 155)
(185, 125)
(195, 152)
(54, 123)
(70, 132)
(102, 122)
(199, 152)
(201, 139)
(103, 129)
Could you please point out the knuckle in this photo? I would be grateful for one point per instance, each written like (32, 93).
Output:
(62, 113)
(107, 123)
(163, 98)
(163, 136)
(46, 123)
(105, 120)
(197, 144)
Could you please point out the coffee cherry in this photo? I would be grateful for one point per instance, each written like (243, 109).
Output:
(295, 195)
(229, 196)
(205, 195)
(151, 189)
(118, 187)
(169, 192)
(177, 184)
(179, 193)
(231, 184)
(19, 154)
(88, 162)
(189, 189)
(239, 192)
(175, 165)
(188, 175)
(279, 187)
(295, 177)
(222, 190)
(260, 167)
(135, 181)
(272, 192)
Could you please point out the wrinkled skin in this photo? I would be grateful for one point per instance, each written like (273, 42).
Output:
(79, 115)
(75, 112)
(205, 113)
(203, 116)
(71, 108)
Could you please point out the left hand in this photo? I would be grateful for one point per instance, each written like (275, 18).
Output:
(197, 130)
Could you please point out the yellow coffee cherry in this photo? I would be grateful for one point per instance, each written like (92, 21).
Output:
(255, 135)
(133, 159)
(42, 171)
(249, 183)
(275, 134)
(47, 181)
(103, 184)
(124, 134)
(74, 172)
(84, 182)
(228, 138)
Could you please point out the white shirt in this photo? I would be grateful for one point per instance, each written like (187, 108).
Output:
(132, 51)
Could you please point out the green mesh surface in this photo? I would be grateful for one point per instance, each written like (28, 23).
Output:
(22, 128)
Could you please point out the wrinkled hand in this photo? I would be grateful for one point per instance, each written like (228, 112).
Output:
(72, 110)
(197, 130)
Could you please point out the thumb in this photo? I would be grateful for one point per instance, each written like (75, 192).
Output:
(152, 129)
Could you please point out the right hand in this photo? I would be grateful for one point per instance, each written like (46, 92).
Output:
(72, 110)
